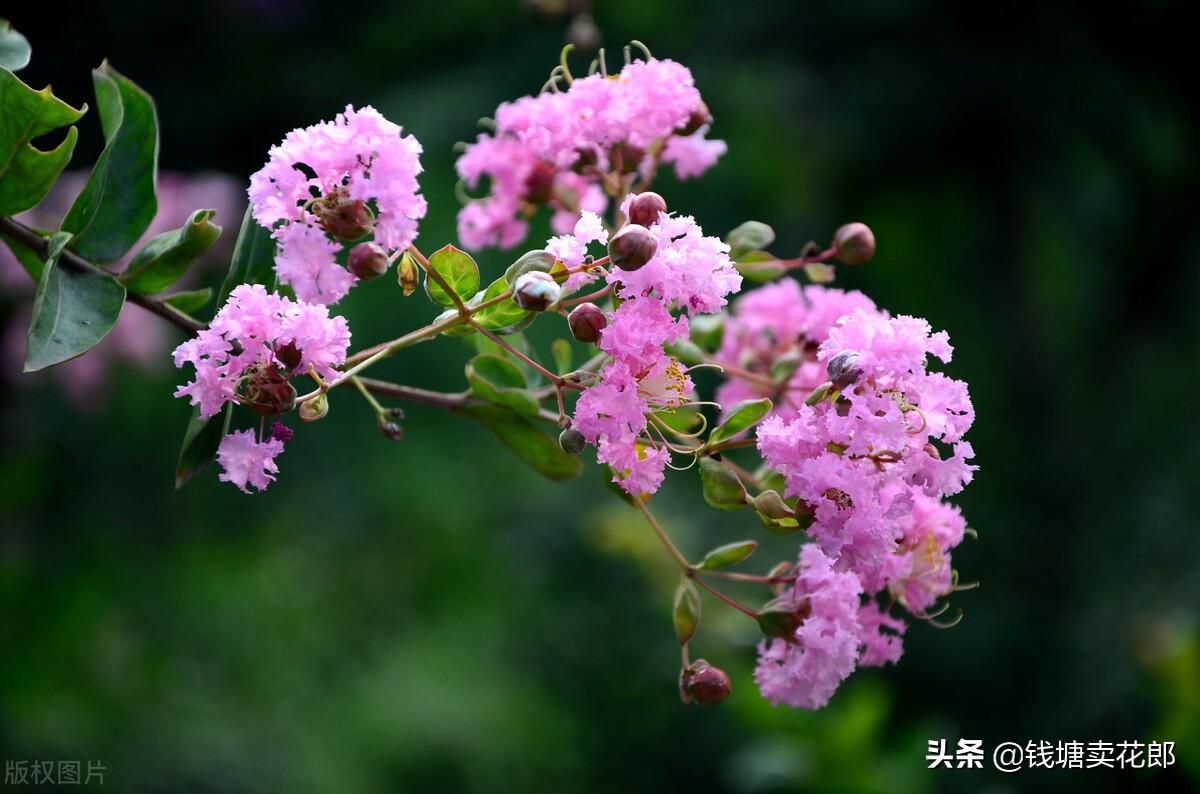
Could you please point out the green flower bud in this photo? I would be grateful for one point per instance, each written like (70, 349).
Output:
(571, 441)
(314, 409)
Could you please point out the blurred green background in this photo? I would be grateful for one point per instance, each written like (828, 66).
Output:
(429, 616)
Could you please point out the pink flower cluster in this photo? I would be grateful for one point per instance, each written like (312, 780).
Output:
(866, 463)
(317, 189)
(688, 271)
(562, 148)
(252, 347)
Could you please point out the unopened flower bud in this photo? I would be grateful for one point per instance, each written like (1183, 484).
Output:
(367, 261)
(781, 617)
(771, 505)
(705, 684)
(539, 185)
(854, 243)
(407, 273)
(314, 409)
(700, 116)
(644, 208)
(571, 441)
(587, 320)
(632, 247)
(536, 291)
(391, 430)
(268, 392)
(842, 369)
(933, 452)
(344, 218)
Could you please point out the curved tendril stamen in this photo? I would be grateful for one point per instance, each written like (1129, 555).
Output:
(690, 464)
(924, 422)
(659, 426)
(593, 67)
(962, 588)
(562, 62)
(645, 50)
(552, 83)
(487, 123)
(969, 531)
(603, 64)
(939, 625)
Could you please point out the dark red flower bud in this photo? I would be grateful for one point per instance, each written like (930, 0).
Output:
(367, 261)
(539, 185)
(705, 684)
(644, 208)
(627, 157)
(781, 617)
(854, 243)
(587, 320)
(631, 247)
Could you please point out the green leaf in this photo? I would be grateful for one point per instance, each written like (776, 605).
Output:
(169, 255)
(30, 259)
(26, 173)
(747, 237)
(506, 317)
(73, 311)
(722, 488)
(759, 267)
(191, 301)
(118, 202)
(686, 351)
(527, 440)
(200, 442)
(707, 330)
(686, 614)
(610, 482)
(729, 554)
(744, 415)
(560, 349)
(253, 259)
(498, 380)
(14, 48)
(458, 270)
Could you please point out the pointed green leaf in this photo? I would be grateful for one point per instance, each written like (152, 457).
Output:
(498, 380)
(747, 237)
(73, 311)
(200, 442)
(742, 416)
(191, 301)
(687, 611)
(26, 173)
(759, 267)
(14, 48)
(459, 272)
(729, 554)
(169, 255)
(722, 488)
(253, 259)
(118, 202)
(527, 440)
(30, 259)
(506, 317)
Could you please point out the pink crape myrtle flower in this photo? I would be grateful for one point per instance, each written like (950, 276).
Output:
(256, 329)
(358, 157)
(776, 323)
(246, 461)
(556, 148)
(804, 670)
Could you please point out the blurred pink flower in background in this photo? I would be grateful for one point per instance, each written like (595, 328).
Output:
(138, 338)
